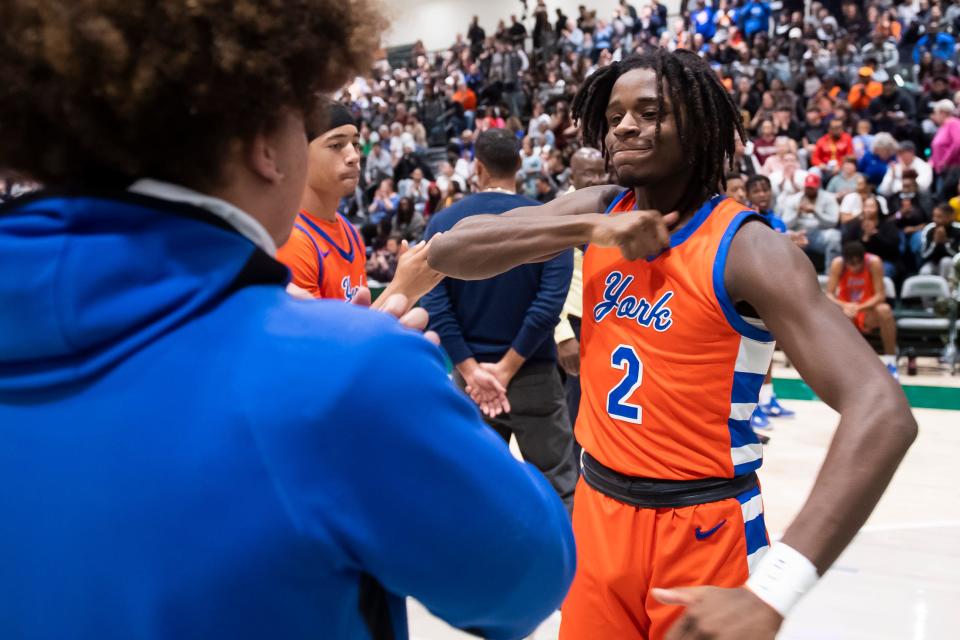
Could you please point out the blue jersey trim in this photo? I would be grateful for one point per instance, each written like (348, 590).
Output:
(348, 256)
(696, 221)
(741, 434)
(320, 254)
(746, 387)
(616, 201)
(775, 221)
(681, 236)
(692, 225)
(747, 496)
(746, 467)
(756, 534)
(740, 325)
(353, 229)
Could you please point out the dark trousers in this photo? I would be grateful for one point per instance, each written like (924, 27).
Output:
(538, 419)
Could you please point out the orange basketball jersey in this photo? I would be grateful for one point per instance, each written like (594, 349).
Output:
(670, 371)
(327, 258)
(856, 286)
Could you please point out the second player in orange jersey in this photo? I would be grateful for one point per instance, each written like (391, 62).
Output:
(684, 291)
(325, 253)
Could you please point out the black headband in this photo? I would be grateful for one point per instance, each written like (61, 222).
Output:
(336, 115)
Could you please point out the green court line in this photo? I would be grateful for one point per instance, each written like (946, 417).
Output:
(920, 396)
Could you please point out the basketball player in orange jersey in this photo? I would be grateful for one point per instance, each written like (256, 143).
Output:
(680, 315)
(325, 253)
(856, 284)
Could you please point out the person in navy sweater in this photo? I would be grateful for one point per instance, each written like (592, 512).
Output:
(499, 332)
(186, 450)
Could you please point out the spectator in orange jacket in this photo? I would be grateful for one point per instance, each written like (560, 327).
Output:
(833, 147)
(864, 90)
(465, 96)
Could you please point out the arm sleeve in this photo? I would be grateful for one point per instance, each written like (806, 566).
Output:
(886, 185)
(443, 320)
(953, 240)
(564, 330)
(847, 205)
(938, 147)
(818, 155)
(828, 209)
(299, 255)
(928, 245)
(924, 176)
(573, 305)
(541, 316)
(428, 500)
(788, 210)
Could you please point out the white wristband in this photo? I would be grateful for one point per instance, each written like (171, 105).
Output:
(781, 578)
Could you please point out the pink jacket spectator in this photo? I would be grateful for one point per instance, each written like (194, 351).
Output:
(946, 146)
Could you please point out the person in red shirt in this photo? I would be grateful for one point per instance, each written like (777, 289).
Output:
(832, 148)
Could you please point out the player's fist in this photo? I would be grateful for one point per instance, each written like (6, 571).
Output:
(637, 234)
(712, 613)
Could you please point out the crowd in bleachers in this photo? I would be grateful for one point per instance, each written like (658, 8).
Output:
(850, 108)
(851, 112)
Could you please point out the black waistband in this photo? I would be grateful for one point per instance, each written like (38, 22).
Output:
(649, 493)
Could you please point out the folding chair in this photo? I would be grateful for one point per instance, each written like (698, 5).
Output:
(920, 330)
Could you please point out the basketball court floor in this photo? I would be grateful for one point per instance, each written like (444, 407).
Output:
(900, 578)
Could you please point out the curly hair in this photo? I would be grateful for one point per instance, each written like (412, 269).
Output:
(708, 120)
(98, 91)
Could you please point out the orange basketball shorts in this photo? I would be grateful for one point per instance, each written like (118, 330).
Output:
(624, 551)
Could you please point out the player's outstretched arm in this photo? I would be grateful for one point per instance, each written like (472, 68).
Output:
(766, 270)
(483, 246)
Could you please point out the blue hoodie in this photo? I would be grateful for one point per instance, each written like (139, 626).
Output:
(704, 20)
(188, 452)
(754, 18)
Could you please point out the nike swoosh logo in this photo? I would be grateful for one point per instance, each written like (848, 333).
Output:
(703, 535)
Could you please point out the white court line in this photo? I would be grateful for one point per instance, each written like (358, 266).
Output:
(906, 526)
(936, 524)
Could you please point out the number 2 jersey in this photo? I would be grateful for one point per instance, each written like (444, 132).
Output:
(327, 258)
(670, 371)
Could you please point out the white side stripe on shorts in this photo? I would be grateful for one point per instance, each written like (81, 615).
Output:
(752, 508)
(754, 356)
(746, 453)
(742, 410)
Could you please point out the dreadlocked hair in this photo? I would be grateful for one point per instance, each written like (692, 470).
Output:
(708, 120)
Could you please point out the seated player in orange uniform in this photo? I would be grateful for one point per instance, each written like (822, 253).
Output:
(325, 253)
(680, 316)
(856, 284)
